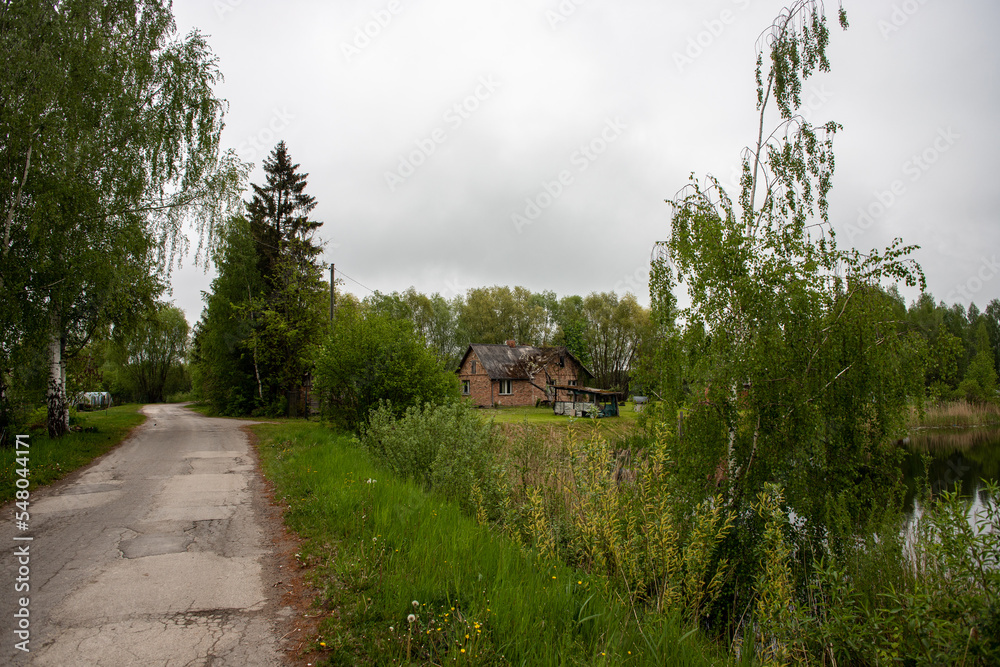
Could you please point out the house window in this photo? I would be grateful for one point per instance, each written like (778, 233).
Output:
(473, 368)
(465, 387)
(562, 361)
(505, 388)
(572, 383)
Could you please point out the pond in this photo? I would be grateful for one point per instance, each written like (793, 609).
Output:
(962, 459)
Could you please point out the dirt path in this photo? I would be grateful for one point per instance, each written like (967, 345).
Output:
(164, 552)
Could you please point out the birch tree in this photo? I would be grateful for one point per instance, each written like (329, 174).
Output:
(805, 379)
(111, 142)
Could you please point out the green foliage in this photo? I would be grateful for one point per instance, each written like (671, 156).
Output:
(946, 354)
(777, 628)
(222, 357)
(147, 362)
(258, 335)
(926, 595)
(980, 383)
(433, 317)
(572, 328)
(379, 549)
(111, 142)
(495, 314)
(446, 448)
(368, 358)
(614, 337)
(791, 370)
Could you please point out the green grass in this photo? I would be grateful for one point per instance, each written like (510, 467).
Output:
(376, 547)
(202, 409)
(545, 416)
(51, 459)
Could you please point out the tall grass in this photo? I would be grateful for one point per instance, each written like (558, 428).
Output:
(383, 549)
(50, 459)
(955, 414)
(626, 512)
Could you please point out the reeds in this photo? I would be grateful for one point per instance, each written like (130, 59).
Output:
(955, 414)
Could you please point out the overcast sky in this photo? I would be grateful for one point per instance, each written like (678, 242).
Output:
(432, 129)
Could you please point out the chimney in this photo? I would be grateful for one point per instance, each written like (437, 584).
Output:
(512, 343)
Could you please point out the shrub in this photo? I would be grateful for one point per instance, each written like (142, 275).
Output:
(447, 448)
(369, 358)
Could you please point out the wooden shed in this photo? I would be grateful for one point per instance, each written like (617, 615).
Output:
(584, 402)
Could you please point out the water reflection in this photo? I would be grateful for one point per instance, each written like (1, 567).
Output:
(961, 460)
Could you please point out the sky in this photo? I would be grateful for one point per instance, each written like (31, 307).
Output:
(454, 144)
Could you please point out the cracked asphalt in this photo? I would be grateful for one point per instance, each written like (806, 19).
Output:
(158, 554)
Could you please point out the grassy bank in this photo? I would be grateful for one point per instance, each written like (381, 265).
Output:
(544, 416)
(381, 550)
(955, 414)
(51, 459)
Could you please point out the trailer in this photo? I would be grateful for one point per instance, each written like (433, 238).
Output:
(93, 400)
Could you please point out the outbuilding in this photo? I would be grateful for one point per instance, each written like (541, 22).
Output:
(584, 401)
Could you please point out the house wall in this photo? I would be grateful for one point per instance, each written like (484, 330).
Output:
(479, 382)
(524, 393)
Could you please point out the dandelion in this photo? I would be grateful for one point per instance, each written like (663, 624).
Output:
(414, 603)
(411, 618)
(323, 644)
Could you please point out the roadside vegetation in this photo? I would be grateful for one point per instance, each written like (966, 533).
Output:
(624, 512)
(91, 435)
(407, 577)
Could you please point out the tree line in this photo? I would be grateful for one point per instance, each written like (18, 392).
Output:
(265, 325)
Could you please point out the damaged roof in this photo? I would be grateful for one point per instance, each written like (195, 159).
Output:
(505, 362)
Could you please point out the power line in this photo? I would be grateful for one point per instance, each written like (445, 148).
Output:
(341, 272)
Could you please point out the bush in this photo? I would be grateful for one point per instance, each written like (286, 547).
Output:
(369, 358)
(446, 448)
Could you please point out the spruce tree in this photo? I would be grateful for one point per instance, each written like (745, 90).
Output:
(266, 313)
(279, 213)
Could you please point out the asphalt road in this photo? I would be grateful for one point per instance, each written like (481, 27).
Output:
(159, 554)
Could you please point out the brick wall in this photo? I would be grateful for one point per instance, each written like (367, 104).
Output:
(486, 393)
(479, 382)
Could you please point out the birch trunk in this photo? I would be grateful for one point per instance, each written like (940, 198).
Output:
(58, 408)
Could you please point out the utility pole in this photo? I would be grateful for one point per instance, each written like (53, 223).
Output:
(332, 283)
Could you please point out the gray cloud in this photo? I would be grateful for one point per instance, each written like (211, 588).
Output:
(350, 108)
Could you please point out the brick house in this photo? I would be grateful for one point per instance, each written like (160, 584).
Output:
(513, 375)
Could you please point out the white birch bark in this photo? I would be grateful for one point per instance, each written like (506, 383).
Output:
(58, 409)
